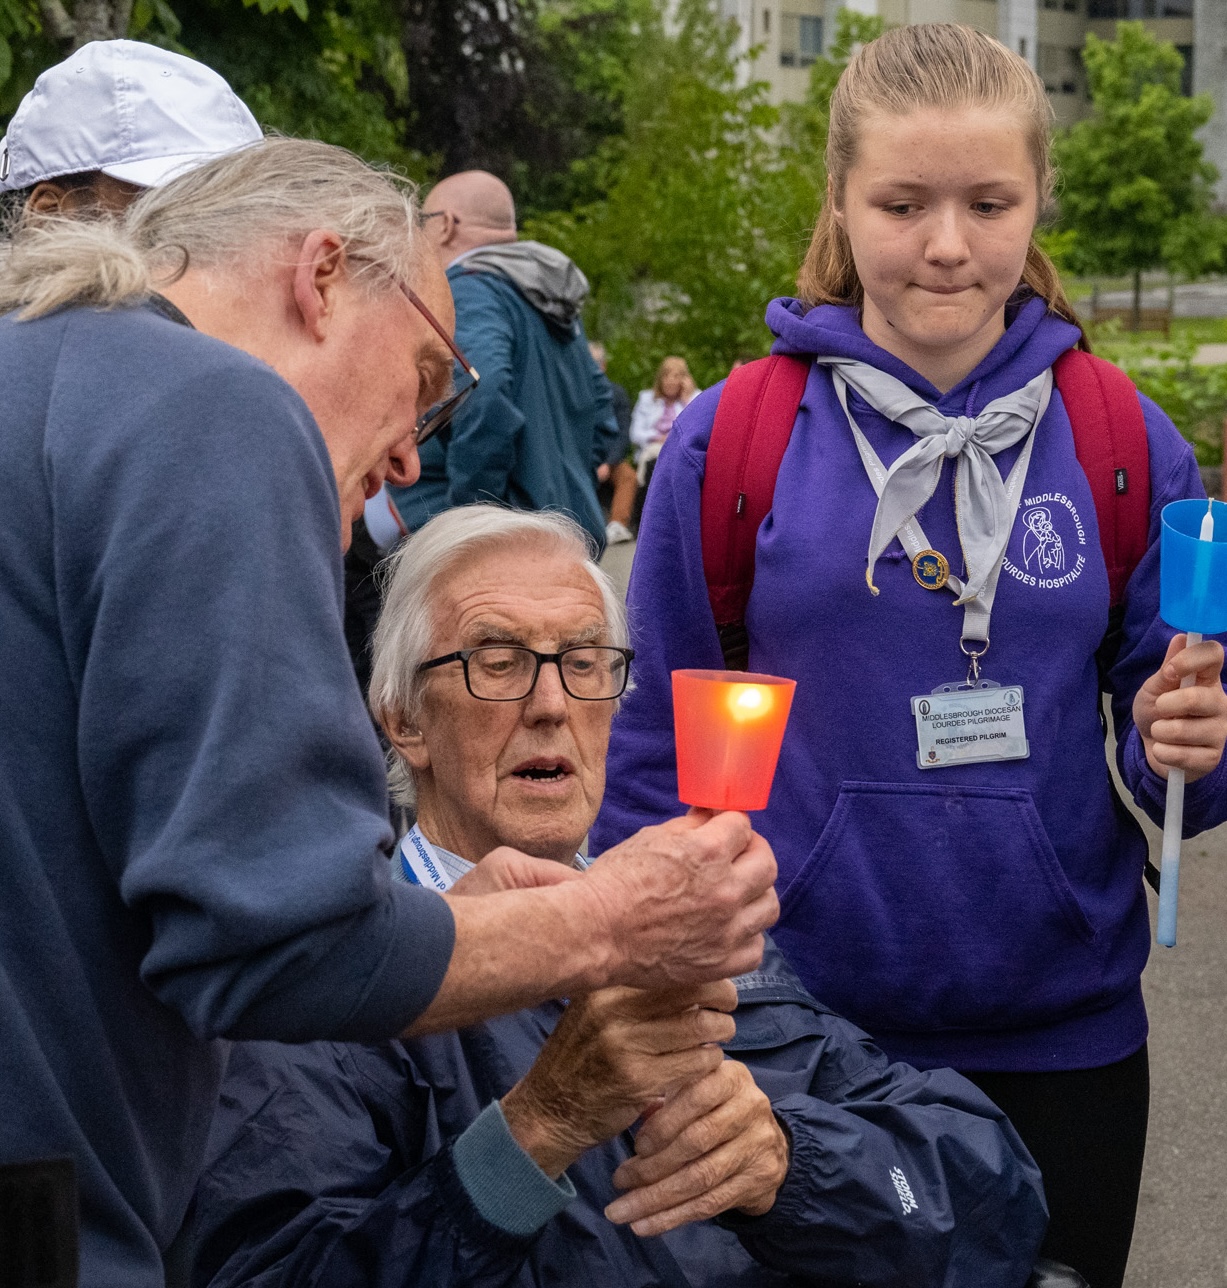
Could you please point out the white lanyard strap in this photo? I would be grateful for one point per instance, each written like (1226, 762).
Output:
(420, 864)
(978, 611)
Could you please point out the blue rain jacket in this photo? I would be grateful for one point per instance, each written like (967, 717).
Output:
(333, 1165)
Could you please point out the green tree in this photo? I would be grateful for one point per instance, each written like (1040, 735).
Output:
(1136, 189)
(702, 221)
(804, 125)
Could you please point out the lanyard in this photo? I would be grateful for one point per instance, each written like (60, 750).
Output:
(421, 866)
(420, 863)
(978, 611)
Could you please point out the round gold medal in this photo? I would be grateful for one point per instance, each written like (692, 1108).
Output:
(931, 569)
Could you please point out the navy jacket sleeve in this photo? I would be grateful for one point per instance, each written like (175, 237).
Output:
(481, 453)
(229, 770)
(1145, 637)
(896, 1175)
(326, 1170)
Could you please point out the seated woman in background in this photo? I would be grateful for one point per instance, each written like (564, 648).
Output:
(655, 411)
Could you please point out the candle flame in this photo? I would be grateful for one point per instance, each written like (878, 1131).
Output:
(749, 701)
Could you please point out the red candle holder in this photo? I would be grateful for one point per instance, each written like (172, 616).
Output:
(728, 726)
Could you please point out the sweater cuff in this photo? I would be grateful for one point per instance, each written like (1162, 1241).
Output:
(1203, 800)
(506, 1186)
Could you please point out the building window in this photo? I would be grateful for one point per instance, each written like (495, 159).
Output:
(1141, 8)
(766, 22)
(1186, 72)
(800, 39)
(1060, 69)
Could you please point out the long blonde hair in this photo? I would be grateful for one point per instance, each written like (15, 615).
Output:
(225, 214)
(931, 64)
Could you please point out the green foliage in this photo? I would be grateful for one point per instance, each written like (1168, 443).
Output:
(1195, 397)
(338, 74)
(803, 125)
(1137, 189)
(704, 216)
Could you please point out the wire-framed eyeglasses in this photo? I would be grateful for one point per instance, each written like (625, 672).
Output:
(508, 672)
(433, 420)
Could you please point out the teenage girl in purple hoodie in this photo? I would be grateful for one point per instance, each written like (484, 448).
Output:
(983, 913)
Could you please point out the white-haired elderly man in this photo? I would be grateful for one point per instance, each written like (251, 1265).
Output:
(496, 1155)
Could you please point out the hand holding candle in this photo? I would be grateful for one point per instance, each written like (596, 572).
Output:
(1193, 598)
(729, 726)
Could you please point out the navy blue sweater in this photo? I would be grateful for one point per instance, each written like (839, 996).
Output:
(192, 800)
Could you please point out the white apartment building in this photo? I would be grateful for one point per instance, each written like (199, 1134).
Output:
(790, 34)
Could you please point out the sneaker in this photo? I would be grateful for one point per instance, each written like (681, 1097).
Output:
(616, 533)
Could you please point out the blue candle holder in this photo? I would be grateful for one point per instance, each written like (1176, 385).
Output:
(1192, 598)
(1193, 573)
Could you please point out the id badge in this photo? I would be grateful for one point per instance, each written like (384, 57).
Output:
(959, 724)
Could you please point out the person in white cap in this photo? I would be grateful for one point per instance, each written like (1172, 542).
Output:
(116, 117)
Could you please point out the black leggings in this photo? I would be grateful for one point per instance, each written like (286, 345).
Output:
(1086, 1128)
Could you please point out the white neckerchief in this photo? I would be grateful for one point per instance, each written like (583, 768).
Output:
(424, 864)
(985, 506)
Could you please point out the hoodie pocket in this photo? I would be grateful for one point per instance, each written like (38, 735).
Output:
(938, 907)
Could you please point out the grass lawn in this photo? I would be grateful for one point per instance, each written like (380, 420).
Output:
(1122, 346)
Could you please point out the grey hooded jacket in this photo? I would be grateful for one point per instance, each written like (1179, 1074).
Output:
(542, 417)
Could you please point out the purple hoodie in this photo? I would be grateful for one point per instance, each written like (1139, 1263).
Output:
(985, 916)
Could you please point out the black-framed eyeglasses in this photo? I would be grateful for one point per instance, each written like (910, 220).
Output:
(508, 672)
(433, 420)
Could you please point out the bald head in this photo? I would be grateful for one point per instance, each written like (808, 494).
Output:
(467, 210)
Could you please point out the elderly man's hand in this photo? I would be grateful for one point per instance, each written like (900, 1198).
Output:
(613, 1054)
(1184, 728)
(713, 1146)
(686, 901)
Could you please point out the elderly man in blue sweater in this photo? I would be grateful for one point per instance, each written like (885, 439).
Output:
(504, 1154)
(193, 807)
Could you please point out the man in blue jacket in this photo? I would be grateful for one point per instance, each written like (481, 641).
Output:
(539, 423)
(495, 1156)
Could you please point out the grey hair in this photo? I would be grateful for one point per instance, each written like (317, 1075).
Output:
(407, 621)
(235, 210)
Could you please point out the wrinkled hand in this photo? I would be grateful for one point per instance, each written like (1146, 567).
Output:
(508, 869)
(684, 902)
(613, 1053)
(713, 1146)
(1184, 728)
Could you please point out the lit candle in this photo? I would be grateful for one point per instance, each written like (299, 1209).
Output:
(729, 726)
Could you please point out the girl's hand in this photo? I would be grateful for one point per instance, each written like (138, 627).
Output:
(1184, 728)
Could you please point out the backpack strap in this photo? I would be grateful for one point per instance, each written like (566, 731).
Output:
(753, 425)
(749, 436)
(1113, 450)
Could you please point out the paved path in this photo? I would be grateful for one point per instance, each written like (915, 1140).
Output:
(1181, 1237)
(1191, 300)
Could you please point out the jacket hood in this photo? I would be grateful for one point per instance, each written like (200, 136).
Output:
(548, 280)
(1034, 338)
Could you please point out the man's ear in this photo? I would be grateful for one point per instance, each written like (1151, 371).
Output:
(409, 743)
(46, 199)
(319, 273)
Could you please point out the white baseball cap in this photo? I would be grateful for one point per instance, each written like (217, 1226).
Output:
(134, 111)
